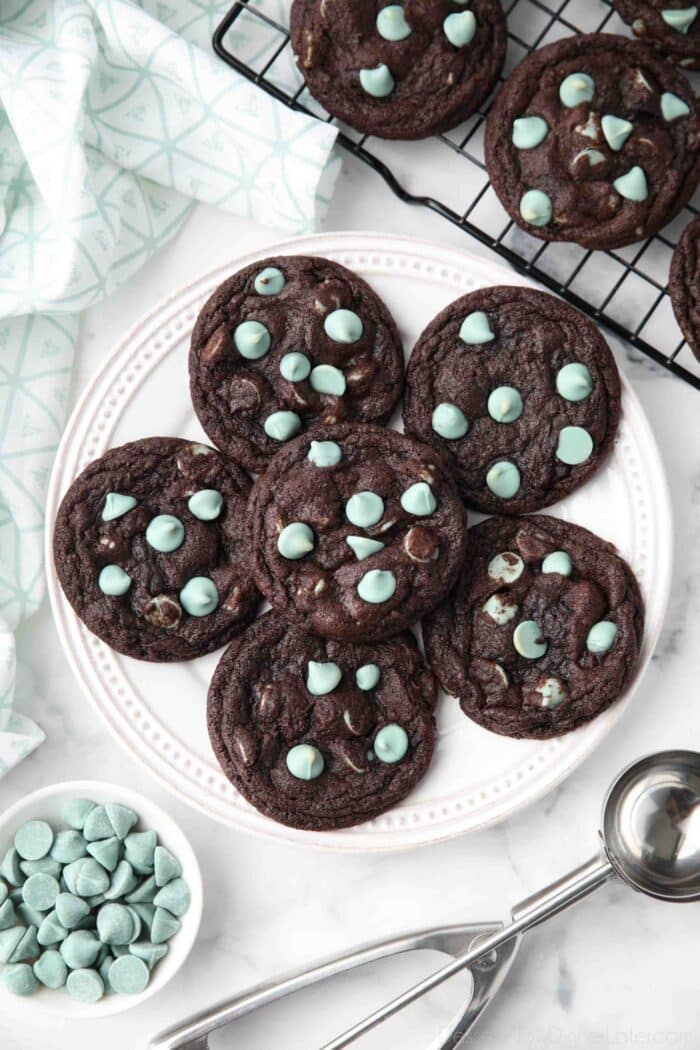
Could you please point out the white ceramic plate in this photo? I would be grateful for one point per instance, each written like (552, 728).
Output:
(47, 804)
(158, 711)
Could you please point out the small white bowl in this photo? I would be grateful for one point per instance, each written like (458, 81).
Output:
(47, 804)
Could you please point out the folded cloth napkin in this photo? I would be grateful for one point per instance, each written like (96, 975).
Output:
(113, 119)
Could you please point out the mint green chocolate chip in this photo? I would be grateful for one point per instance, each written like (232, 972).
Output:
(146, 912)
(269, 281)
(367, 677)
(575, 446)
(574, 382)
(295, 367)
(149, 953)
(593, 156)
(377, 586)
(505, 404)
(633, 186)
(503, 479)
(85, 985)
(322, 678)
(19, 979)
(391, 743)
(129, 975)
(91, 878)
(499, 609)
(281, 426)
(296, 540)
(559, 562)
(121, 818)
(680, 18)
(113, 581)
(601, 637)
(9, 940)
(164, 926)
(616, 131)
(325, 453)
(343, 326)
(449, 421)
(69, 845)
(392, 24)
(80, 949)
(552, 692)
(528, 640)
(252, 340)
(71, 910)
(122, 883)
(166, 867)
(327, 379)
(29, 916)
(175, 897)
(199, 596)
(673, 107)
(40, 892)
(115, 924)
(419, 500)
(377, 82)
(362, 547)
(364, 509)
(43, 866)
(206, 504)
(97, 825)
(475, 329)
(144, 893)
(3, 892)
(8, 918)
(51, 970)
(10, 868)
(165, 533)
(107, 852)
(506, 567)
(536, 208)
(34, 839)
(50, 930)
(529, 132)
(575, 89)
(139, 850)
(28, 947)
(116, 505)
(460, 28)
(305, 762)
(76, 811)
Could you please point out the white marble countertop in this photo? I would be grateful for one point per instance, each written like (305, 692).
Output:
(618, 970)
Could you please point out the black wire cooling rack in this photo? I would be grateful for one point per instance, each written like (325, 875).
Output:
(624, 289)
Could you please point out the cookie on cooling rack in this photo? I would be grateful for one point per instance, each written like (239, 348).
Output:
(519, 391)
(672, 26)
(149, 549)
(684, 284)
(286, 343)
(543, 630)
(399, 70)
(594, 139)
(355, 532)
(318, 734)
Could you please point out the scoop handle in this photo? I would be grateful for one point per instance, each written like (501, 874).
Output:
(530, 912)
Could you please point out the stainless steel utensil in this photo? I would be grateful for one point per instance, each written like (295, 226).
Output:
(650, 838)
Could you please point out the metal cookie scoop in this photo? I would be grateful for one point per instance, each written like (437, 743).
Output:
(650, 835)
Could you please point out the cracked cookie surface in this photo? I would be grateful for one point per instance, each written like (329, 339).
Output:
(542, 631)
(320, 734)
(684, 284)
(672, 26)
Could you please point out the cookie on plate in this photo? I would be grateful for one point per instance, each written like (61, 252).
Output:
(149, 549)
(318, 734)
(399, 70)
(355, 532)
(543, 630)
(673, 26)
(684, 284)
(519, 391)
(594, 139)
(288, 342)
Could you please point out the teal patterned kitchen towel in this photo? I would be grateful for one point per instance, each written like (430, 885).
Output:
(114, 117)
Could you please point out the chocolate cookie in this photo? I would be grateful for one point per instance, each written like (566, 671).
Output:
(672, 26)
(684, 284)
(355, 532)
(149, 549)
(286, 343)
(519, 391)
(399, 71)
(594, 139)
(318, 734)
(543, 630)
